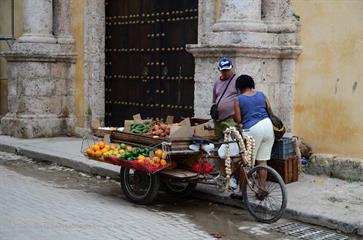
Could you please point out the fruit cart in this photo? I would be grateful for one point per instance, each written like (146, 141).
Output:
(150, 162)
(146, 163)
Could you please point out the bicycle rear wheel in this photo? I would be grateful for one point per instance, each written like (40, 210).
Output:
(265, 203)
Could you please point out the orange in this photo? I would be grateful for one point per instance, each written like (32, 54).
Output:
(103, 150)
(98, 153)
(141, 160)
(113, 147)
(101, 144)
(141, 157)
(95, 148)
(163, 156)
(89, 152)
(163, 162)
(156, 159)
(158, 153)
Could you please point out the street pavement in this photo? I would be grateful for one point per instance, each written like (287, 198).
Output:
(318, 200)
(33, 209)
(41, 200)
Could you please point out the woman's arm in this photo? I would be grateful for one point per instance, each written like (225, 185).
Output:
(237, 111)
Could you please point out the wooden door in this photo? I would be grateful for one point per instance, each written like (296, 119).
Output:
(148, 70)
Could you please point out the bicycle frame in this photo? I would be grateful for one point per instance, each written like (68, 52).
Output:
(241, 168)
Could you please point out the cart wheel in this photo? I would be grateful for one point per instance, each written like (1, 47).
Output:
(178, 188)
(139, 187)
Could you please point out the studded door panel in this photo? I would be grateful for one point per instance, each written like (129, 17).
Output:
(148, 70)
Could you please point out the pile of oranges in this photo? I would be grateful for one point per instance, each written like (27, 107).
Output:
(100, 149)
(158, 159)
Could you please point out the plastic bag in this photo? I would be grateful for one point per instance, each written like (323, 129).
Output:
(233, 148)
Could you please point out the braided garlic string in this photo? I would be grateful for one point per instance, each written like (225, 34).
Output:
(247, 147)
(227, 163)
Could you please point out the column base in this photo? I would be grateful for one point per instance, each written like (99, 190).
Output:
(37, 38)
(33, 126)
(239, 26)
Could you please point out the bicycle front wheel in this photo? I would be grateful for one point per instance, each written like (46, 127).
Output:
(264, 194)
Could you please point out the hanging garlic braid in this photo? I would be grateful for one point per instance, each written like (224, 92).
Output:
(247, 147)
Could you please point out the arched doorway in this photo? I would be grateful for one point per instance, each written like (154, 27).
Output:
(148, 70)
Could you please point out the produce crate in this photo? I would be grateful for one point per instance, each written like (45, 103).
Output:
(287, 168)
(283, 149)
(101, 132)
(134, 139)
(131, 138)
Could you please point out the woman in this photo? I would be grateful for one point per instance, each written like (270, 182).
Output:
(251, 113)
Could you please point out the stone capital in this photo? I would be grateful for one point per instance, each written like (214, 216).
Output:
(205, 51)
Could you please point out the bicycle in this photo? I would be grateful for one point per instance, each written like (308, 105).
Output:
(263, 190)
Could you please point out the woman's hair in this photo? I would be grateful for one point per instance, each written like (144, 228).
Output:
(244, 81)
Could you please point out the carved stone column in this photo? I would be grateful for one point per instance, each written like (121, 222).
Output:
(40, 85)
(63, 24)
(237, 15)
(264, 46)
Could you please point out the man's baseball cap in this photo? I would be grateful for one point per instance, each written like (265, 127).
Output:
(224, 64)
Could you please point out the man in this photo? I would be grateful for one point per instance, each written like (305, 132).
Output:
(226, 83)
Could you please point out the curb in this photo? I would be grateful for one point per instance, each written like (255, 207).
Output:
(202, 192)
(93, 168)
(208, 194)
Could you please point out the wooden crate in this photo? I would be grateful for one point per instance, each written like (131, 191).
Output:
(288, 169)
(141, 140)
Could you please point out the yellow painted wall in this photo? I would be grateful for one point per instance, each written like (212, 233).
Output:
(5, 29)
(78, 28)
(328, 103)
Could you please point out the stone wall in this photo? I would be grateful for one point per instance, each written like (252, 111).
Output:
(40, 72)
(259, 36)
(264, 46)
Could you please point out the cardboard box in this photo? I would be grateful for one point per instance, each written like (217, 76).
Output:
(203, 130)
(178, 131)
(181, 131)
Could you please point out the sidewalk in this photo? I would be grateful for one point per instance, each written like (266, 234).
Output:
(317, 200)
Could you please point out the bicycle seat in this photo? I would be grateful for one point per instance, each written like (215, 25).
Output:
(200, 140)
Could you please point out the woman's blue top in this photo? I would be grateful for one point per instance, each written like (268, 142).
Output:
(253, 109)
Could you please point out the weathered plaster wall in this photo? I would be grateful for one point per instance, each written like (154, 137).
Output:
(5, 29)
(78, 34)
(329, 76)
